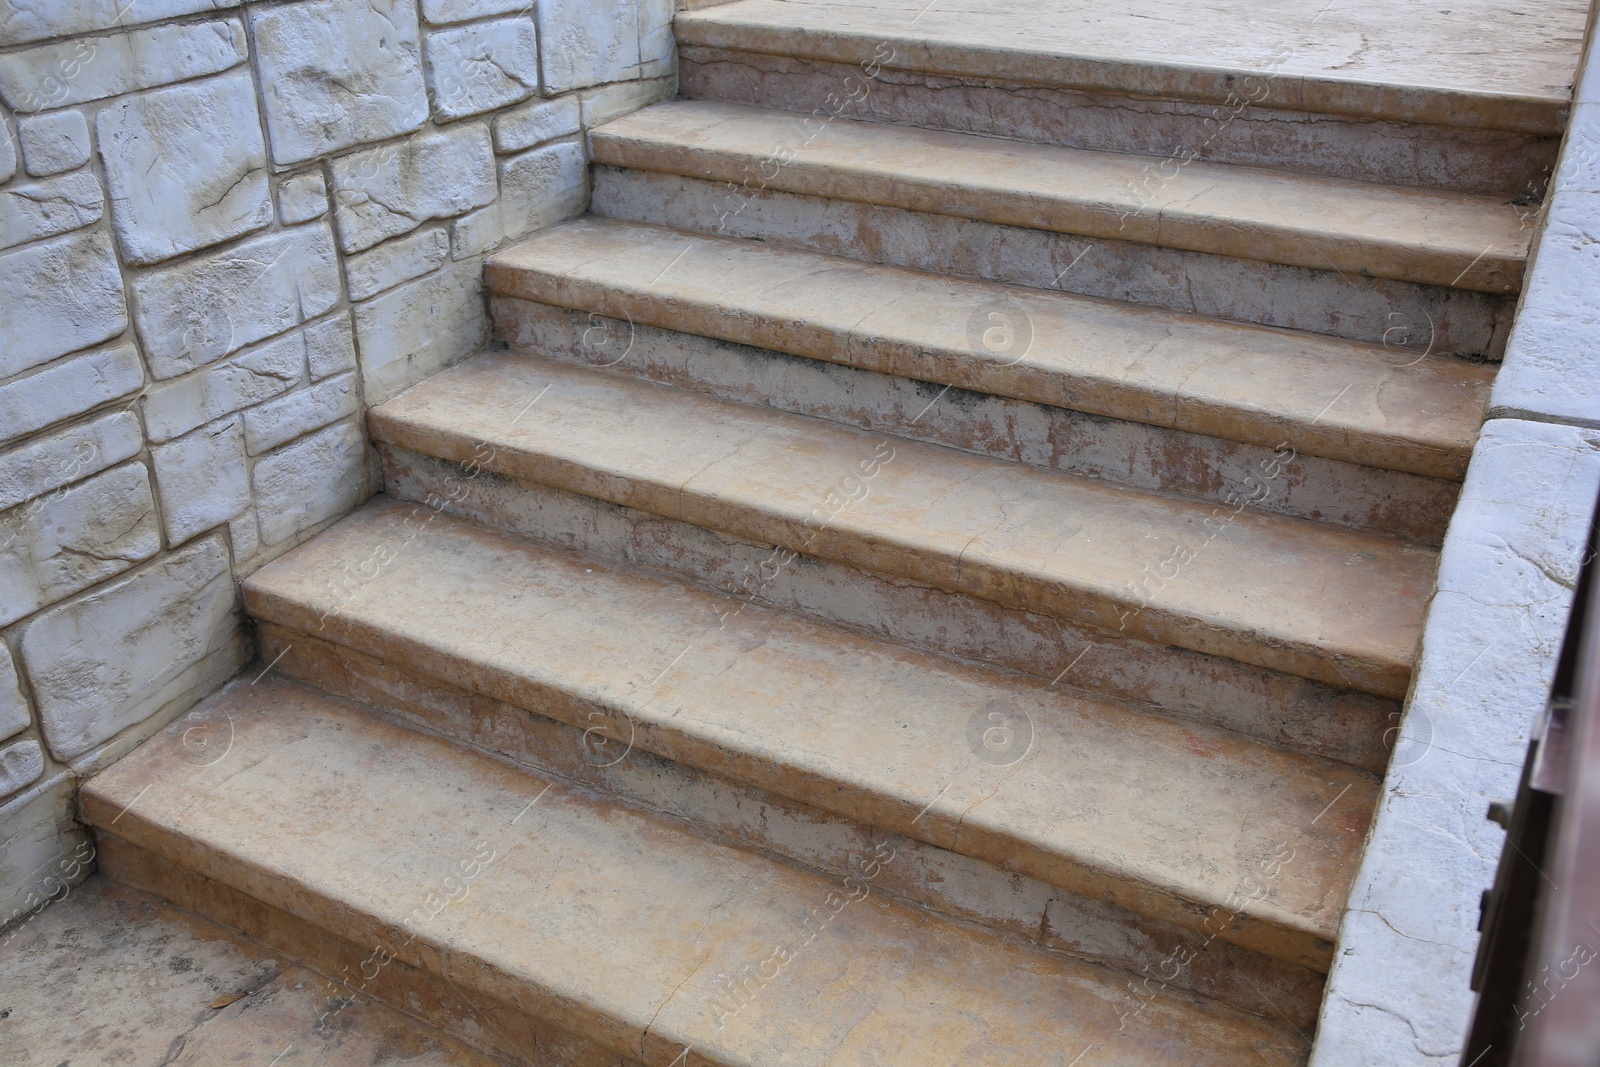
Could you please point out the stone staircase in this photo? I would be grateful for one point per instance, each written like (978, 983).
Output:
(895, 595)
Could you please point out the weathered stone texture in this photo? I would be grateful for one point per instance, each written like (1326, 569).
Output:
(186, 166)
(8, 154)
(94, 68)
(278, 421)
(302, 197)
(14, 716)
(200, 310)
(420, 327)
(537, 189)
(41, 847)
(67, 388)
(54, 143)
(67, 540)
(535, 123)
(330, 347)
(202, 478)
(588, 44)
(389, 191)
(61, 295)
(22, 21)
(108, 659)
(396, 261)
(21, 765)
(66, 456)
(175, 407)
(440, 11)
(338, 74)
(50, 206)
(481, 67)
(310, 481)
(609, 102)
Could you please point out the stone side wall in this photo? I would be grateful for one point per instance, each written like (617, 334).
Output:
(226, 228)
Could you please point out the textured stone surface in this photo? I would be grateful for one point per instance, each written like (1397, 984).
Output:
(33, 20)
(386, 266)
(330, 346)
(113, 975)
(186, 166)
(277, 421)
(58, 544)
(388, 191)
(586, 43)
(110, 658)
(54, 143)
(482, 67)
(535, 123)
(175, 407)
(414, 330)
(8, 154)
(609, 102)
(51, 206)
(60, 296)
(537, 189)
(67, 455)
(67, 388)
(21, 765)
(55, 75)
(198, 311)
(1399, 991)
(203, 479)
(442, 11)
(310, 481)
(302, 197)
(43, 850)
(337, 74)
(14, 717)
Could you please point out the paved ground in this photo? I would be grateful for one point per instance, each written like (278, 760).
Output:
(109, 977)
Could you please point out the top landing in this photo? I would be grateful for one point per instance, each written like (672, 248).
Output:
(1478, 63)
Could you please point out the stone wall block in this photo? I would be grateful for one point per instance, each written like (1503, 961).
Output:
(337, 74)
(93, 68)
(537, 189)
(535, 123)
(310, 481)
(48, 207)
(22, 21)
(385, 192)
(54, 143)
(21, 765)
(175, 407)
(396, 261)
(66, 388)
(14, 717)
(8, 152)
(482, 67)
(202, 479)
(298, 413)
(330, 347)
(198, 311)
(66, 456)
(109, 658)
(61, 295)
(302, 197)
(42, 848)
(186, 166)
(420, 328)
(609, 102)
(442, 11)
(57, 544)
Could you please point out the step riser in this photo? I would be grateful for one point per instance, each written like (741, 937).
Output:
(1282, 709)
(935, 878)
(352, 968)
(1414, 319)
(1466, 160)
(1409, 506)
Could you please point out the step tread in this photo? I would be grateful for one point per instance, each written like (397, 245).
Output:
(1487, 65)
(1440, 238)
(1336, 605)
(877, 732)
(1331, 397)
(610, 922)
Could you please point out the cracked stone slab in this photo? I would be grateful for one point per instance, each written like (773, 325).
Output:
(1398, 992)
(482, 67)
(295, 414)
(67, 455)
(338, 74)
(50, 206)
(73, 72)
(14, 716)
(62, 295)
(67, 388)
(109, 658)
(186, 166)
(203, 479)
(55, 545)
(385, 192)
(54, 143)
(174, 407)
(200, 310)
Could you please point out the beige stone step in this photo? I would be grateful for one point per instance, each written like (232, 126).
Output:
(1289, 85)
(1455, 240)
(1334, 605)
(1328, 397)
(1161, 818)
(549, 907)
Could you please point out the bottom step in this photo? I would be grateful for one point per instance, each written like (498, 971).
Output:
(554, 906)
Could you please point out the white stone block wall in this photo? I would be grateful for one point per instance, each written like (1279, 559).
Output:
(227, 227)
